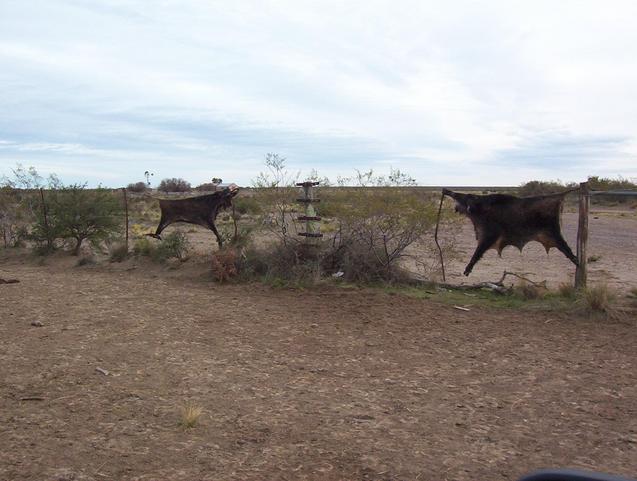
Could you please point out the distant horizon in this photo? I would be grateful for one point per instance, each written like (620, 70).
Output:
(155, 184)
(461, 93)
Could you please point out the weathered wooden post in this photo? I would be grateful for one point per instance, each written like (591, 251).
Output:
(126, 214)
(49, 241)
(582, 235)
(310, 218)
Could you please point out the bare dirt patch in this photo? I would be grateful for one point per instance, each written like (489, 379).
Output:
(333, 384)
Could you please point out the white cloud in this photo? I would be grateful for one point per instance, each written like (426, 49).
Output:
(452, 92)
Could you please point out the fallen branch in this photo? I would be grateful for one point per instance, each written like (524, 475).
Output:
(520, 276)
(497, 286)
(9, 281)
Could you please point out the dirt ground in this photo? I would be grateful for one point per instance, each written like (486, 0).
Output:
(612, 246)
(328, 384)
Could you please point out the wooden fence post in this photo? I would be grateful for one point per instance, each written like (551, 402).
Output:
(126, 214)
(49, 241)
(582, 236)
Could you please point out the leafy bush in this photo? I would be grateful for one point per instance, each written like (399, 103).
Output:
(174, 185)
(137, 187)
(244, 204)
(173, 245)
(77, 213)
(19, 204)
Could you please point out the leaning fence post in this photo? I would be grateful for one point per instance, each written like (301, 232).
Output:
(49, 241)
(582, 236)
(126, 214)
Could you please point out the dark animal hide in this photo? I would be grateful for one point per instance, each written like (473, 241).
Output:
(501, 220)
(201, 210)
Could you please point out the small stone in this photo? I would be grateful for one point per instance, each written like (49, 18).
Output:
(37, 323)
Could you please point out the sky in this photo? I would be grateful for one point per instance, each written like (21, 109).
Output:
(458, 92)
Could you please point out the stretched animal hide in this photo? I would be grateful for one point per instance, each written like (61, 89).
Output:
(201, 210)
(501, 220)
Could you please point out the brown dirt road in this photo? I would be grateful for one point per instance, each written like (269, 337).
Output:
(333, 384)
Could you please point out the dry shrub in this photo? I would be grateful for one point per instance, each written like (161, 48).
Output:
(567, 290)
(88, 260)
(598, 300)
(174, 185)
(224, 264)
(118, 252)
(281, 264)
(190, 414)
(137, 187)
(528, 292)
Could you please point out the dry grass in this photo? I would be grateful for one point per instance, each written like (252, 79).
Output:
(118, 252)
(598, 300)
(528, 291)
(567, 290)
(190, 414)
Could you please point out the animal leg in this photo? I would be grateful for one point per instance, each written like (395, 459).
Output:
(482, 247)
(213, 228)
(163, 223)
(564, 248)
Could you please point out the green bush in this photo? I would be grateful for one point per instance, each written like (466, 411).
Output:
(247, 205)
(78, 214)
(173, 245)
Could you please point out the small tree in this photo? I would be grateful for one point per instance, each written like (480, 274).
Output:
(82, 214)
(174, 185)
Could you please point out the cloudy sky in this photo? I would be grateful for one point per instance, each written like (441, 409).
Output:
(458, 92)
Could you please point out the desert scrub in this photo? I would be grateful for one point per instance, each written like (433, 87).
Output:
(138, 230)
(567, 290)
(528, 292)
(189, 415)
(118, 252)
(598, 300)
(247, 205)
(225, 264)
(173, 245)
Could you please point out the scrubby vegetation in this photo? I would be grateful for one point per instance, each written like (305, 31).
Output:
(369, 228)
(137, 187)
(174, 185)
(540, 187)
(174, 245)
